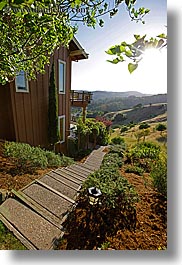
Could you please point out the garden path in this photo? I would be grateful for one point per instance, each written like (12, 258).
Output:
(35, 214)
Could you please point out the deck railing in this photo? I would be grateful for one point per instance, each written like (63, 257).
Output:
(80, 96)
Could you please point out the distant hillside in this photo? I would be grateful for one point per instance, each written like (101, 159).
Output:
(107, 94)
(108, 103)
(149, 113)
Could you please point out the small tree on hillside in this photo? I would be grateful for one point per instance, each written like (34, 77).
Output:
(53, 131)
(161, 127)
(144, 126)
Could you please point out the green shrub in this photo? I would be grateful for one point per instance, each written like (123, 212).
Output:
(112, 159)
(124, 129)
(143, 155)
(145, 150)
(144, 126)
(115, 188)
(53, 160)
(65, 161)
(134, 169)
(26, 156)
(161, 127)
(118, 140)
(118, 149)
(159, 175)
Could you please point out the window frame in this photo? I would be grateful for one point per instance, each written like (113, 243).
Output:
(64, 127)
(26, 90)
(63, 91)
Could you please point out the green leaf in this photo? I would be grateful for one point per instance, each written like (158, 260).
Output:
(124, 43)
(78, 2)
(147, 11)
(127, 2)
(162, 36)
(137, 37)
(122, 48)
(101, 22)
(128, 53)
(3, 4)
(132, 67)
(115, 61)
(109, 51)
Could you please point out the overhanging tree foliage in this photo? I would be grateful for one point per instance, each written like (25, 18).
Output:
(31, 30)
(134, 52)
(53, 131)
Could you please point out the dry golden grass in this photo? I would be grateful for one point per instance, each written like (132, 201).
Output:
(154, 136)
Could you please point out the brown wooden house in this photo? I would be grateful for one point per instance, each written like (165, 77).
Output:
(24, 104)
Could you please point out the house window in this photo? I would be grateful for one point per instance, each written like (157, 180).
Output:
(21, 82)
(62, 77)
(61, 127)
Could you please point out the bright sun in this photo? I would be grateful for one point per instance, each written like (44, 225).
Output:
(152, 68)
(151, 57)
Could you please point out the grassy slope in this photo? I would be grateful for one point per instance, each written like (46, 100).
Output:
(154, 113)
(154, 136)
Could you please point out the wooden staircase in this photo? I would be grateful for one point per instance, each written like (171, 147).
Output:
(35, 214)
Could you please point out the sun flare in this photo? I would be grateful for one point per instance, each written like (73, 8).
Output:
(151, 57)
(152, 68)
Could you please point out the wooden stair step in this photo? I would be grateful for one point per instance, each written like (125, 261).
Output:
(64, 181)
(80, 174)
(91, 167)
(37, 208)
(65, 174)
(70, 182)
(48, 199)
(60, 187)
(82, 168)
(93, 163)
(55, 191)
(75, 173)
(30, 228)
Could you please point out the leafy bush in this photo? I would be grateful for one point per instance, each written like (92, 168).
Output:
(65, 161)
(112, 159)
(114, 187)
(161, 127)
(143, 155)
(144, 126)
(54, 160)
(93, 131)
(118, 140)
(134, 169)
(118, 149)
(159, 175)
(26, 156)
(124, 129)
(145, 150)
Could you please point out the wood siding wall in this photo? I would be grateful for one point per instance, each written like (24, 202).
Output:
(7, 131)
(30, 110)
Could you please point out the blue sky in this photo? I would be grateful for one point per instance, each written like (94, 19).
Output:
(97, 74)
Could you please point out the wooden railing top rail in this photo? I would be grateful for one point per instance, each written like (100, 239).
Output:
(83, 96)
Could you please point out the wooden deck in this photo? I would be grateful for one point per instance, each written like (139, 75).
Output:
(35, 214)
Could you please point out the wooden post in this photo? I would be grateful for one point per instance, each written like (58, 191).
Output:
(84, 113)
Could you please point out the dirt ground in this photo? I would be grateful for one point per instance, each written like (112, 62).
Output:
(10, 178)
(83, 229)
